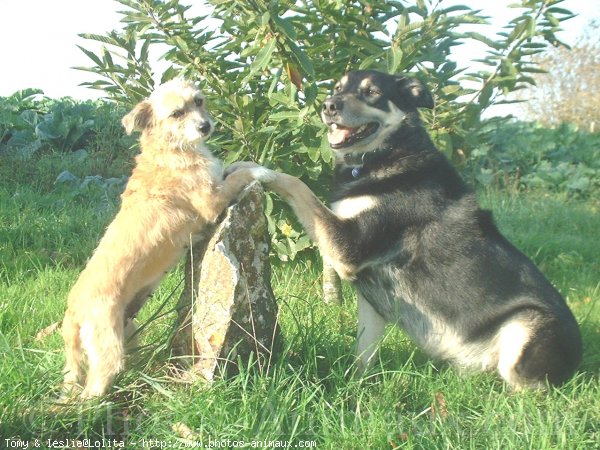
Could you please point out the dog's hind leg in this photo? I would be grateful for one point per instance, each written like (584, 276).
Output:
(535, 350)
(131, 335)
(550, 353)
(512, 339)
(371, 327)
(131, 311)
(102, 336)
(73, 367)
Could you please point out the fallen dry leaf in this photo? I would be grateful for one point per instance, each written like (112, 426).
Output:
(183, 431)
(47, 331)
(438, 407)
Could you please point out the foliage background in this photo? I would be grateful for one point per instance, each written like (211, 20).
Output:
(267, 66)
(570, 90)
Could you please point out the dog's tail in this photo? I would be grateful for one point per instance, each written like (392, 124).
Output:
(73, 354)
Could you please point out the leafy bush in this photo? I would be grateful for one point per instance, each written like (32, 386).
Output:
(528, 155)
(268, 66)
(42, 137)
(27, 126)
(105, 189)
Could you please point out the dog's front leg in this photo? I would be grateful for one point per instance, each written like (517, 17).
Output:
(371, 327)
(323, 226)
(319, 222)
(220, 198)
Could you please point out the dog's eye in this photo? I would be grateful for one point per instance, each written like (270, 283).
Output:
(337, 88)
(372, 92)
(177, 114)
(199, 102)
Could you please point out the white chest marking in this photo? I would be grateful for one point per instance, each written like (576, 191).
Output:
(353, 206)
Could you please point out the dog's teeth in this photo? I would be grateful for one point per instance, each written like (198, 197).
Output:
(334, 126)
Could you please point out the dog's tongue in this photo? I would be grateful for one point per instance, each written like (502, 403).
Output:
(338, 135)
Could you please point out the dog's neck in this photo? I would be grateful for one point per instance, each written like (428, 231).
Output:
(361, 158)
(356, 165)
(403, 143)
(181, 158)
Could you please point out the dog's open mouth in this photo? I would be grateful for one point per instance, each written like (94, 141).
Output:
(340, 136)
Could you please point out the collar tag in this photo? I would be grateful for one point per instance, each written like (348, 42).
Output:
(356, 172)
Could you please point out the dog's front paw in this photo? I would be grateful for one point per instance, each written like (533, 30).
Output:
(263, 174)
(239, 165)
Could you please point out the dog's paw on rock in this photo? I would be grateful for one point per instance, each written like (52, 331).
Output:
(263, 175)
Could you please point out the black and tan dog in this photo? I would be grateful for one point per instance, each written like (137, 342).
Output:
(409, 234)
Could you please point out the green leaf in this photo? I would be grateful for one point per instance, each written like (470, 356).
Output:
(326, 152)
(100, 38)
(285, 115)
(96, 59)
(451, 89)
(264, 55)
(579, 184)
(182, 44)
(32, 118)
(369, 62)
(485, 177)
(107, 58)
(314, 153)
(66, 177)
(485, 95)
(303, 60)
(486, 40)
(394, 58)
(285, 26)
(444, 142)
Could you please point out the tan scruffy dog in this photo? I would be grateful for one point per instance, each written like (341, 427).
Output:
(175, 191)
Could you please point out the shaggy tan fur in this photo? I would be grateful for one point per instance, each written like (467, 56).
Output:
(175, 191)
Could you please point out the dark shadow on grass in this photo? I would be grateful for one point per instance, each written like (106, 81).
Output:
(52, 421)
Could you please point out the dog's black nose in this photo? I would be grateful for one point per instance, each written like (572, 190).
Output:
(332, 106)
(204, 128)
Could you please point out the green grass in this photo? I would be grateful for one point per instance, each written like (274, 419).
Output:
(310, 392)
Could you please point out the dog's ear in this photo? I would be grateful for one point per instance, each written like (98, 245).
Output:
(415, 90)
(139, 118)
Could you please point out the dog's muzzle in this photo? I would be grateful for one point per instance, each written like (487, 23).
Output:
(205, 128)
(332, 106)
(340, 135)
